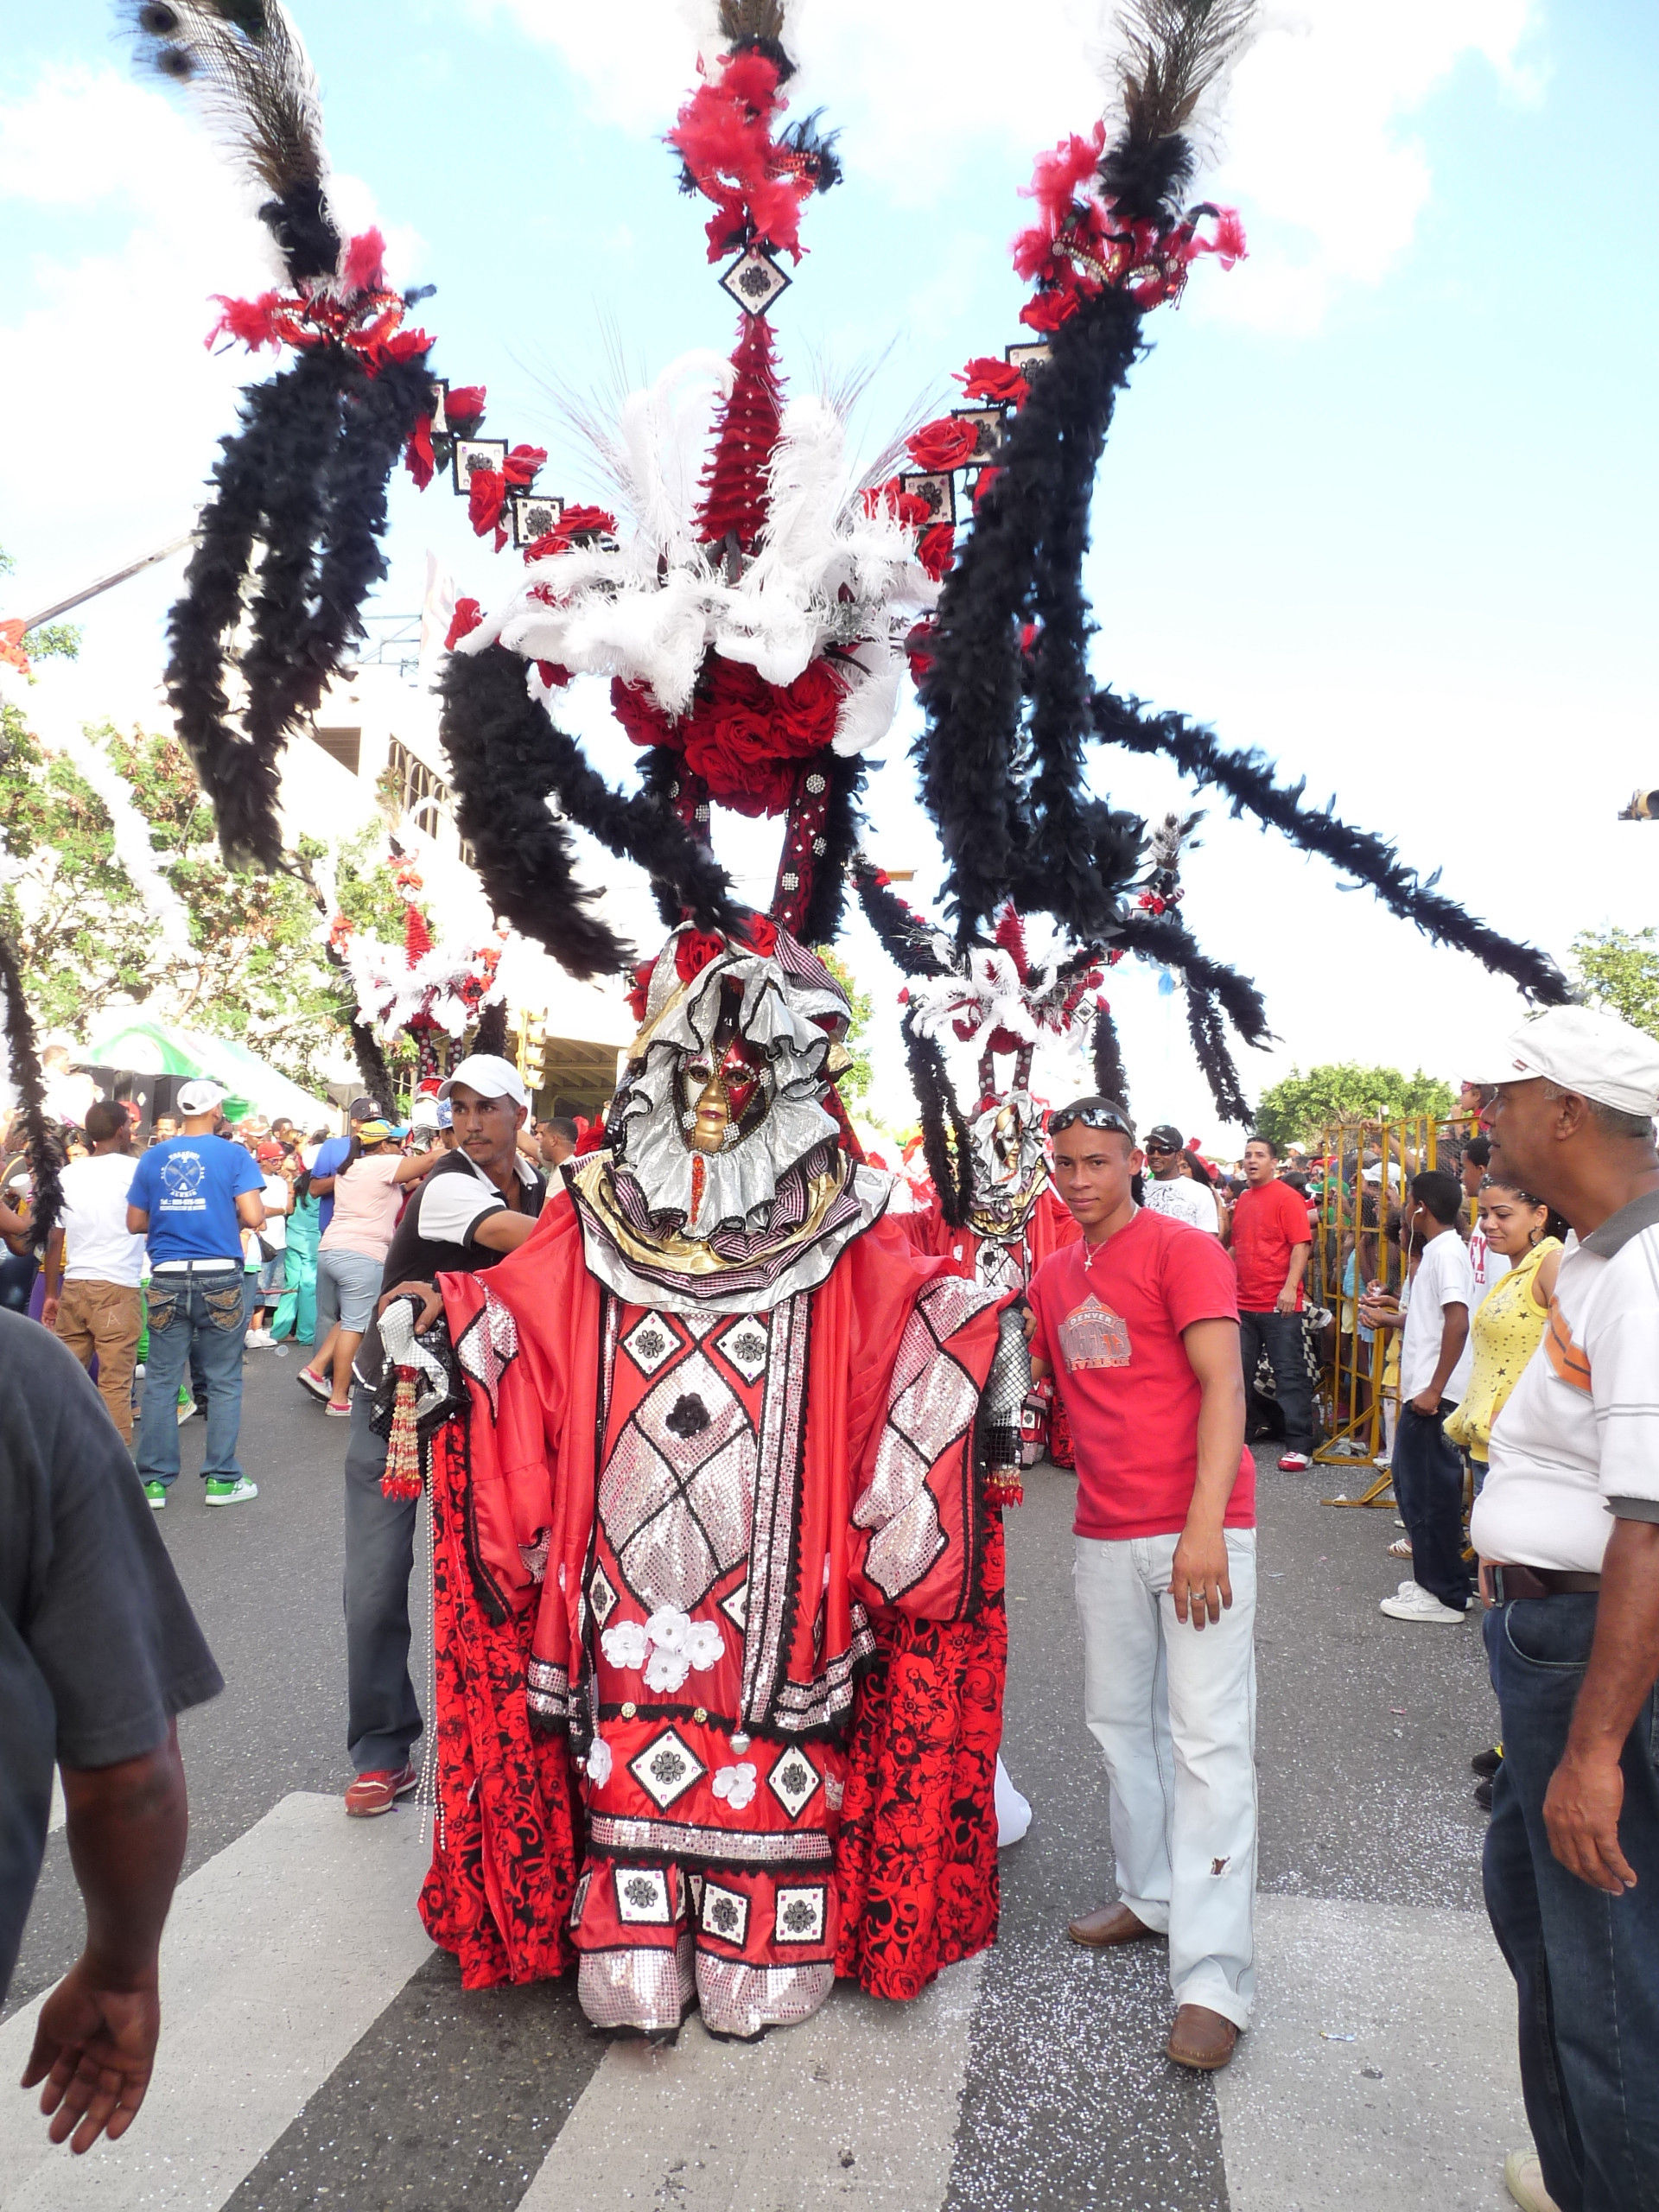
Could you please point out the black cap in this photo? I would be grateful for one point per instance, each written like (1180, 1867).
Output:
(1164, 1134)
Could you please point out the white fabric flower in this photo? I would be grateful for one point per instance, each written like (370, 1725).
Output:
(669, 1629)
(625, 1644)
(704, 1645)
(599, 1762)
(666, 1670)
(735, 1784)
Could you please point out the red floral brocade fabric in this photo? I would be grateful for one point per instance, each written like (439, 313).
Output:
(512, 1506)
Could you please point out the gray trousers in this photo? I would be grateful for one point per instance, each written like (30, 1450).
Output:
(383, 1721)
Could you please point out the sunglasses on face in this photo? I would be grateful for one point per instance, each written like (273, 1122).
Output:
(1167, 1150)
(1091, 1117)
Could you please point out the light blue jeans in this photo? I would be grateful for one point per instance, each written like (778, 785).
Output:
(210, 1311)
(1173, 1709)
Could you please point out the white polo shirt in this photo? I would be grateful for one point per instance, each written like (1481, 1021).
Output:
(1578, 1442)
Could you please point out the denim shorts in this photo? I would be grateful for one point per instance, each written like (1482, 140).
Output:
(348, 1284)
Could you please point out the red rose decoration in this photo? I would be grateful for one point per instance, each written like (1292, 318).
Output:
(901, 506)
(641, 718)
(585, 522)
(693, 952)
(937, 548)
(982, 483)
(466, 617)
(1048, 310)
(417, 454)
(487, 492)
(522, 465)
(762, 933)
(554, 676)
(463, 411)
(999, 382)
(937, 448)
(745, 737)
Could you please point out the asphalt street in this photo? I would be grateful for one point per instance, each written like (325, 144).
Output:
(317, 2052)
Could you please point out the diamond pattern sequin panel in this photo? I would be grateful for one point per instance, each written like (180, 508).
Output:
(677, 1494)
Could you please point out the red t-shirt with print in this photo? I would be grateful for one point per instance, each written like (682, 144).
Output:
(1269, 1218)
(1108, 1324)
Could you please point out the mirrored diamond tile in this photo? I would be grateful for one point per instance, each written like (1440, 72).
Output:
(754, 281)
(744, 1346)
(642, 1896)
(649, 1343)
(666, 1769)
(600, 1596)
(725, 1912)
(800, 1915)
(736, 1607)
(793, 1780)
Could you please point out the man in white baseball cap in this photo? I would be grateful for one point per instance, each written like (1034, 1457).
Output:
(1568, 1530)
(489, 1076)
(478, 1203)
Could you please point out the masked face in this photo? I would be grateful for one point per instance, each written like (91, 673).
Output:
(722, 1086)
(1005, 1136)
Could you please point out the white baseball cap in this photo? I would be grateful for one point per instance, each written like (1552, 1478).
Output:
(201, 1096)
(1581, 1049)
(490, 1076)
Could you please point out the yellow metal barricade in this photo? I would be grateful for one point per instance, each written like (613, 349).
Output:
(1368, 1165)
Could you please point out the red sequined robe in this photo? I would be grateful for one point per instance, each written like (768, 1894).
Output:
(719, 1637)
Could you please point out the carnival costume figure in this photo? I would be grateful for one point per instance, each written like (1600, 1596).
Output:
(718, 1554)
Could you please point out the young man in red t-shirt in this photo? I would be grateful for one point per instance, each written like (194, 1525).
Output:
(1138, 1323)
(1271, 1241)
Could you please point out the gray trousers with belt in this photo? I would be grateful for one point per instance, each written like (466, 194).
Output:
(383, 1721)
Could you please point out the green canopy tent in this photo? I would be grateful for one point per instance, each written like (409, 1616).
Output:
(147, 1047)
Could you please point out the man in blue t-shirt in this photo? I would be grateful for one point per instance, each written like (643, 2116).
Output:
(191, 1199)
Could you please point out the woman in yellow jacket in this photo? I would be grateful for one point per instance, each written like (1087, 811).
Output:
(1506, 1327)
(1504, 1331)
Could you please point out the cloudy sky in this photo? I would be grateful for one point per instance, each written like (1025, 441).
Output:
(1379, 500)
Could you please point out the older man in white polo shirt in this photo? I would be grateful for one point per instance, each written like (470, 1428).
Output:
(1568, 1530)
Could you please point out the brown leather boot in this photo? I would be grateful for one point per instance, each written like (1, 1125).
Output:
(1111, 1925)
(1201, 2039)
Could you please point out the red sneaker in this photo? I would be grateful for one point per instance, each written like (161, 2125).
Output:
(377, 1792)
(1294, 1463)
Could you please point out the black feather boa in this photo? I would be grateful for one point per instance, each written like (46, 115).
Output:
(506, 758)
(375, 1075)
(1008, 798)
(491, 1035)
(1203, 1025)
(305, 476)
(907, 939)
(45, 1154)
(1111, 1077)
(1247, 779)
(946, 1144)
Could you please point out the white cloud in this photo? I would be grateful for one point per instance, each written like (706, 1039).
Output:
(1315, 135)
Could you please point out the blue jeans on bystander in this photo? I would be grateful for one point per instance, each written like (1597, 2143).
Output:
(1586, 1964)
(205, 1314)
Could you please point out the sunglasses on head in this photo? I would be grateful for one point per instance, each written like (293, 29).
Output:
(1092, 1117)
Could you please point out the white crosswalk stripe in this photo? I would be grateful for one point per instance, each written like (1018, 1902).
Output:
(279, 1953)
(857, 2107)
(1381, 2070)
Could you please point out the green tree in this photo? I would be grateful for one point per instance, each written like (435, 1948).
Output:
(1296, 1110)
(855, 1085)
(47, 640)
(255, 968)
(1619, 970)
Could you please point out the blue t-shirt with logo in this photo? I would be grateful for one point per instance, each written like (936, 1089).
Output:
(189, 1187)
